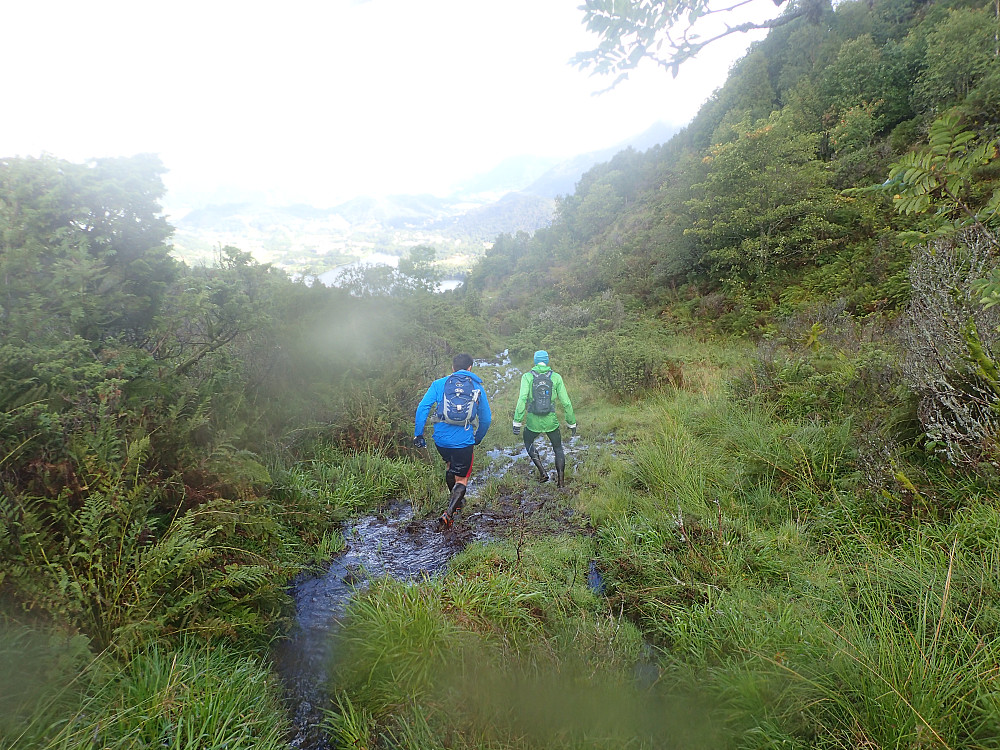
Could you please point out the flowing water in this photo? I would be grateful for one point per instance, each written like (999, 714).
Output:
(390, 543)
(393, 543)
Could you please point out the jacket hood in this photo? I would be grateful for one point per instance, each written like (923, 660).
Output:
(540, 367)
(471, 374)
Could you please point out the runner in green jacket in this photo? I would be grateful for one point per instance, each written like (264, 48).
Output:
(546, 422)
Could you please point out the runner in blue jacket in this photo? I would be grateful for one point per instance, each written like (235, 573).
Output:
(454, 442)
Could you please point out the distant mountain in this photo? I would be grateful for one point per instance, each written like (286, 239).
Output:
(214, 216)
(515, 212)
(550, 178)
(515, 196)
(512, 175)
(231, 217)
(394, 210)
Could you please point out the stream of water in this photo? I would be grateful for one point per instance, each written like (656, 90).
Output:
(390, 543)
(387, 543)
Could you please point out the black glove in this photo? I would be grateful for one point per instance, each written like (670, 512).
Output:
(517, 430)
(419, 442)
(572, 431)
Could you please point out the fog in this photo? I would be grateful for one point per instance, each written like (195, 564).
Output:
(317, 101)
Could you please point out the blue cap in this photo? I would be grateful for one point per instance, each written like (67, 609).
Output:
(541, 356)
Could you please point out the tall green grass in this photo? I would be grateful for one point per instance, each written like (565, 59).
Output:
(890, 655)
(745, 542)
(194, 696)
(913, 660)
(331, 485)
(511, 649)
(788, 603)
(44, 676)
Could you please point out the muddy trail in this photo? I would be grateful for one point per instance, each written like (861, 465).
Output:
(394, 542)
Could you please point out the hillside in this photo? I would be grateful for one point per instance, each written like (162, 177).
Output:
(778, 341)
(749, 206)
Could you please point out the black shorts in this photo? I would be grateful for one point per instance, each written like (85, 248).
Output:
(459, 460)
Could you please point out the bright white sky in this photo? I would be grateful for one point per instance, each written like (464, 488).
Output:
(322, 100)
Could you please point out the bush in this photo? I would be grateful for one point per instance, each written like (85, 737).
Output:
(627, 367)
(952, 344)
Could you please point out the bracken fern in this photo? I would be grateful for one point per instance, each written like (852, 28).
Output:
(121, 573)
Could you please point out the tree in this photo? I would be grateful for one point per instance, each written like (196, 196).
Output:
(417, 268)
(415, 273)
(212, 307)
(750, 97)
(594, 210)
(122, 220)
(863, 77)
(960, 52)
(665, 31)
(45, 269)
(82, 247)
(766, 200)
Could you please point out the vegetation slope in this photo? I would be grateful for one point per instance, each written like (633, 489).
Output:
(794, 374)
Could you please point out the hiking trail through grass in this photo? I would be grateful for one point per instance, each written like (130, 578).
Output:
(505, 500)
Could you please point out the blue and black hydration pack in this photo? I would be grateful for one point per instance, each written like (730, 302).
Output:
(460, 403)
(541, 393)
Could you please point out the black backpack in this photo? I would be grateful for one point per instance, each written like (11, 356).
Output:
(541, 393)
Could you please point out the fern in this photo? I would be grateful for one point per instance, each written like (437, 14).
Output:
(109, 572)
(940, 177)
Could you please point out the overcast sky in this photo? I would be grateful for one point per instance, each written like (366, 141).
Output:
(321, 100)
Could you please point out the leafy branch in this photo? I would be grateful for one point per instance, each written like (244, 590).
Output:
(664, 31)
(940, 177)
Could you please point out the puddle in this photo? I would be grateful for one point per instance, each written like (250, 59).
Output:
(496, 372)
(594, 579)
(502, 460)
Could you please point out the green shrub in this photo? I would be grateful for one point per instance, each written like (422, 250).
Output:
(111, 565)
(628, 367)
